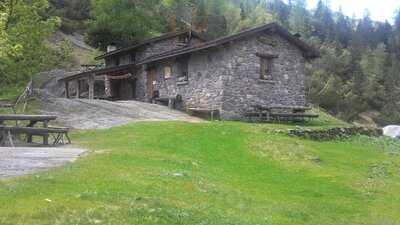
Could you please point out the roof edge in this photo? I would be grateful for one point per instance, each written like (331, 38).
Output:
(149, 41)
(308, 51)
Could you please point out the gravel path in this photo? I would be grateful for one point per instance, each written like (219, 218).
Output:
(22, 161)
(100, 114)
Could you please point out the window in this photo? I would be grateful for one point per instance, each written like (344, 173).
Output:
(167, 72)
(183, 75)
(266, 66)
(132, 57)
(266, 69)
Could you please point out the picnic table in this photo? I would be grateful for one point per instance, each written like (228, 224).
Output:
(280, 113)
(30, 130)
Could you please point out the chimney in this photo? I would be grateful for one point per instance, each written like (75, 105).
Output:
(111, 48)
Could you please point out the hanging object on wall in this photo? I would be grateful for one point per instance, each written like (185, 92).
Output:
(122, 77)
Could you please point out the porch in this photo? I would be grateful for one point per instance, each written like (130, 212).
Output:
(115, 83)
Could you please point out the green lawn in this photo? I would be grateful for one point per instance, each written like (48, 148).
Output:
(211, 173)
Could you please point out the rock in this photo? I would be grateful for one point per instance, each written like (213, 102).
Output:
(48, 82)
(392, 131)
(178, 174)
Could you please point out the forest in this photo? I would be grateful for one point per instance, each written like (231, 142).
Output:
(358, 71)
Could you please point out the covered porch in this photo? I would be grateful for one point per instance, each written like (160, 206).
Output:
(114, 83)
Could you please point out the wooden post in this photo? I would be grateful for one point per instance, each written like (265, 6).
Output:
(2, 137)
(107, 86)
(67, 89)
(78, 89)
(46, 136)
(91, 87)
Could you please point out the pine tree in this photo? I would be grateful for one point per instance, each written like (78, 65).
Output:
(343, 29)
(298, 18)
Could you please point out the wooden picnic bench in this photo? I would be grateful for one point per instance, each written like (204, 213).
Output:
(58, 133)
(30, 130)
(280, 113)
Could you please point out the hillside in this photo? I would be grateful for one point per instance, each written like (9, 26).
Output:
(212, 173)
(359, 55)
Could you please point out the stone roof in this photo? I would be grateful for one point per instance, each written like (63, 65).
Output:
(149, 41)
(308, 51)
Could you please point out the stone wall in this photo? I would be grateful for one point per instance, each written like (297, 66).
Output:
(204, 86)
(140, 89)
(228, 77)
(243, 86)
(335, 133)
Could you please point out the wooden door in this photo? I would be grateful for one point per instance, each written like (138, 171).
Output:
(151, 78)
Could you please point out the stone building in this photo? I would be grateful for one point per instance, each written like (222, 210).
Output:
(259, 66)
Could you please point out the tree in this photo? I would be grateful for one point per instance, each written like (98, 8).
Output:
(365, 31)
(71, 9)
(374, 67)
(281, 10)
(217, 25)
(260, 15)
(233, 17)
(23, 32)
(299, 19)
(323, 22)
(343, 29)
(390, 111)
(124, 22)
(396, 35)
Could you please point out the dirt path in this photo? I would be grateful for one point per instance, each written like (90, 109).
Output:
(22, 161)
(100, 114)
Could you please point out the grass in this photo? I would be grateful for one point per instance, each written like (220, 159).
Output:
(11, 93)
(211, 173)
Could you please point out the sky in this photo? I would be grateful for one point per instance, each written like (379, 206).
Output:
(380, 10)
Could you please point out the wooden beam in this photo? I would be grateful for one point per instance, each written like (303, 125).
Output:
(267, 55)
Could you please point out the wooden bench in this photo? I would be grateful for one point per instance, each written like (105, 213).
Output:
(32, 119)
(58, 133)
(295, 117)
(170, 102)
(204, 113)
(285, 114)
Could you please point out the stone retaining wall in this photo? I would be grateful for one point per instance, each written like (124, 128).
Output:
(334, 133)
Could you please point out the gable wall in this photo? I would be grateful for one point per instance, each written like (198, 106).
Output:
(244, 89)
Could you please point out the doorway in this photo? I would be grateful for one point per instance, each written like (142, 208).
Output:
(151, 79)
(123, 89)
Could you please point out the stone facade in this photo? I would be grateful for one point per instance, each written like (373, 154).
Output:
(243, 86)
(225, 77)
(204, 87)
